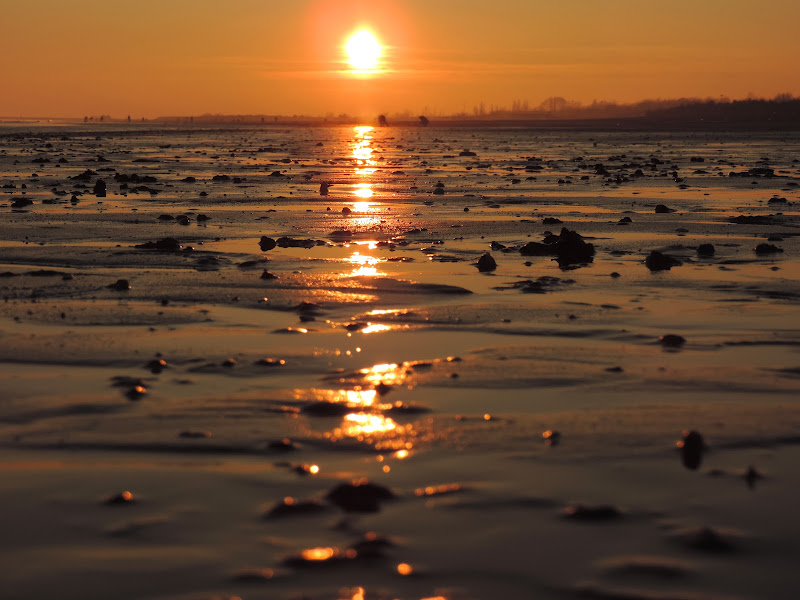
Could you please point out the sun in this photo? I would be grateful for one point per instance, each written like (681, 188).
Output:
(363, 51)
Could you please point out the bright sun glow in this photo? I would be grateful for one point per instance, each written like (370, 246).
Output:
(363, 51)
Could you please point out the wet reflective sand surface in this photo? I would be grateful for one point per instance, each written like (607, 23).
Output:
(275, 363)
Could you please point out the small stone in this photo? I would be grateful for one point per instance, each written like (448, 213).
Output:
(583, 512)
(156, 365)
(706, 250)
(751, 476)
(551, 438)
(268, 275)
(270, 362)
(768, 249)
(122, 498)
(486, 263)
(266, 243)
(692, 447)
(289, 507)
(657, 261)
(662, 209)
(194, 435)
(121, 285)
(359, 496)
(283, 445)
(670, 340)
(136, 392)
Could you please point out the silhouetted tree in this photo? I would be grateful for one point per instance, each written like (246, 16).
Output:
(382, 121)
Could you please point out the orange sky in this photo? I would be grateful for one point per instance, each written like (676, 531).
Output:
(180, 57)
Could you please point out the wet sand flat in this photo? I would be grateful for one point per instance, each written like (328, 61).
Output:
(348, 363)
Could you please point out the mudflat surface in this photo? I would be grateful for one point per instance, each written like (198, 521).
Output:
(229, 346)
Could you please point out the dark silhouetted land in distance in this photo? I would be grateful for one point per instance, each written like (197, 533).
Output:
(782, 112)
(776, 114)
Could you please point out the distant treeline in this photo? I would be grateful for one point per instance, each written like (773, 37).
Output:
(782, 111)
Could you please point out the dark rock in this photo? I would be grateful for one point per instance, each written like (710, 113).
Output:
(706, 539)
(202, 218)
(551, 221)
(467, 153)
(166, 217)
(752, 220)
(568, 248)
(137, 392)
(120, 285)
(288, 242)
(268, 275)
(194, 435)
(486, 263)
(706, 250)
(100, 188)
(165, 245)
(308, 308)
(691, 447)
(220, 178)
(371, 546)
(85, 176)
(768, 249)
(658, 261)
(671, 340)
(266, 243)
(777, 200)
(289, 507)
(751, 475)
(270, 362)
(583, 512)
(122, 498)
(661, 209)
(284, 445)
(249, 264)
(346, 211)
(253, 576)
(359, 496)
(21, 203)
(326, 409)
(156, 365)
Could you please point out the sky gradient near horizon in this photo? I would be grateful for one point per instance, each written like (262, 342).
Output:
(189, 57)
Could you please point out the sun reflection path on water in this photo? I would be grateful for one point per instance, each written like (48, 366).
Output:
(366, 419)
(362, 150)
(366, 265)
